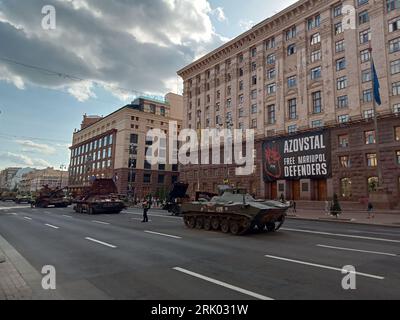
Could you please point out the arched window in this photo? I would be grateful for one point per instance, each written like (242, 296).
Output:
(345, 187)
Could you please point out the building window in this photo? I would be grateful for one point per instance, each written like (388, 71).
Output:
(396, 88)
(367, 96)
(337, 11)
(366, 75)
(365, 36)
(316, 73)
(292, 103)
(394, 45)
(161, 179)
(271, 73)
(292, 81)
(292, 129)
(398, 158)
(253, 52)
(161, 167)
(373, 184)
(396, 109)
(241, 99)
(254, 124)
(345, 187)
(372, 160)
(254, 109)
(270, 43)
(271, 88)
(369, 137)
(339, 46)
(271, 114)
(340, 64)
(363, 17)
(392, 5)
(314, 22)
(365, 55)
(253, 66)
(361, 2)
(241, 113)
(315, 56)
(291, 49)
(344, 141)
(291, 33)
(315, 39)
(254, 94)
(338, 28)
(345, 161)
(369, 114)
(342, 102)
(317, 124)
(271, 58)
(253, 80)
(343, 118)
(146, 178)
(394, 25)
(395, 67)
(342, 83)
(317, 102)
(229, 103)
(397, 133)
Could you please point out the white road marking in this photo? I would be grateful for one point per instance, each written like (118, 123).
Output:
(101, 242)
(51, 226)
(223, 284)
(379, 233)
(324, 267)
(340, 235)
(12, 213)
(357, 250)
(64, 215)
(163, 234)
(27, 218)
(13, 208)
(137, 219)
(100, 222)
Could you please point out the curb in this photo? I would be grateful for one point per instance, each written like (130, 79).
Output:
(346, 221)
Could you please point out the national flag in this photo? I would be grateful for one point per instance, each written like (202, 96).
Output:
(376, 85)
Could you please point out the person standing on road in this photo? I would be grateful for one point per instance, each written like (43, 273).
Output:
(370, 210)
(146, 207)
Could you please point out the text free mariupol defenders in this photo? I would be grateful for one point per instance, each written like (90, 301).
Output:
(305, 165)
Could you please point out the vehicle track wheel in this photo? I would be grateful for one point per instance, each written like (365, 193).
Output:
(234, 227)
(192, 222)
(225, 226)
(91, 210)
(261, 227)
(215, 223)
(186, 221)
(271, 226)
(280, 223)
(199, 223)
(207, 224)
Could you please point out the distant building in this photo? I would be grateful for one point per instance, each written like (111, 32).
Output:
(36, 179)
(115, 146)
(6, 177)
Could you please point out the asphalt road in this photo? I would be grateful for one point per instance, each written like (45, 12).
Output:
(118, 257)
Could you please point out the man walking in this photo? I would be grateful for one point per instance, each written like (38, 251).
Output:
(146, 208)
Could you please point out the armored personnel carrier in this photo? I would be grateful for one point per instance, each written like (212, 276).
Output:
(100, 197)
(8, 196)
(50, 197)
(236, 212)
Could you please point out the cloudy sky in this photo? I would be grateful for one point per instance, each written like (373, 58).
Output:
(101, 53)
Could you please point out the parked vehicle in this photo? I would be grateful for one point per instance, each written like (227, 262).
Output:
(100, 197)
(8, 196)
(23, 199)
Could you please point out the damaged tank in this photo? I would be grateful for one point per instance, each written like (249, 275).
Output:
(50, 197)
(235, 211)
(100, 197)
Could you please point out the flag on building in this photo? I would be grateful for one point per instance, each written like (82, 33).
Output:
(376, 85)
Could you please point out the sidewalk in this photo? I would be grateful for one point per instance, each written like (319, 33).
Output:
(382, 218)
(12, 285)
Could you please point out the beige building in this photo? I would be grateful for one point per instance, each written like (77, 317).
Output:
(6, 177)
(304, 68)
(115, 147)
(36, 179)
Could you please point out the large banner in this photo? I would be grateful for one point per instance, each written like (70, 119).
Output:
(302, 156)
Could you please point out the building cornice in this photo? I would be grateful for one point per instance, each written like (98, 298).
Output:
(259, 32)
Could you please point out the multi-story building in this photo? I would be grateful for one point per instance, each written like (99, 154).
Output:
(304, 69)
(36, 179)
(115, 147)
(6, 177)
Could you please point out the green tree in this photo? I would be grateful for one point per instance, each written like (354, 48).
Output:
(336, 210)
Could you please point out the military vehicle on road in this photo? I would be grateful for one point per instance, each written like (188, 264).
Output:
(236, 212)
(50, 197)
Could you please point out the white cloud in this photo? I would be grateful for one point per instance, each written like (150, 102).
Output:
(219, 12)
(12, 159)
(30, 145)
(136, 44)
